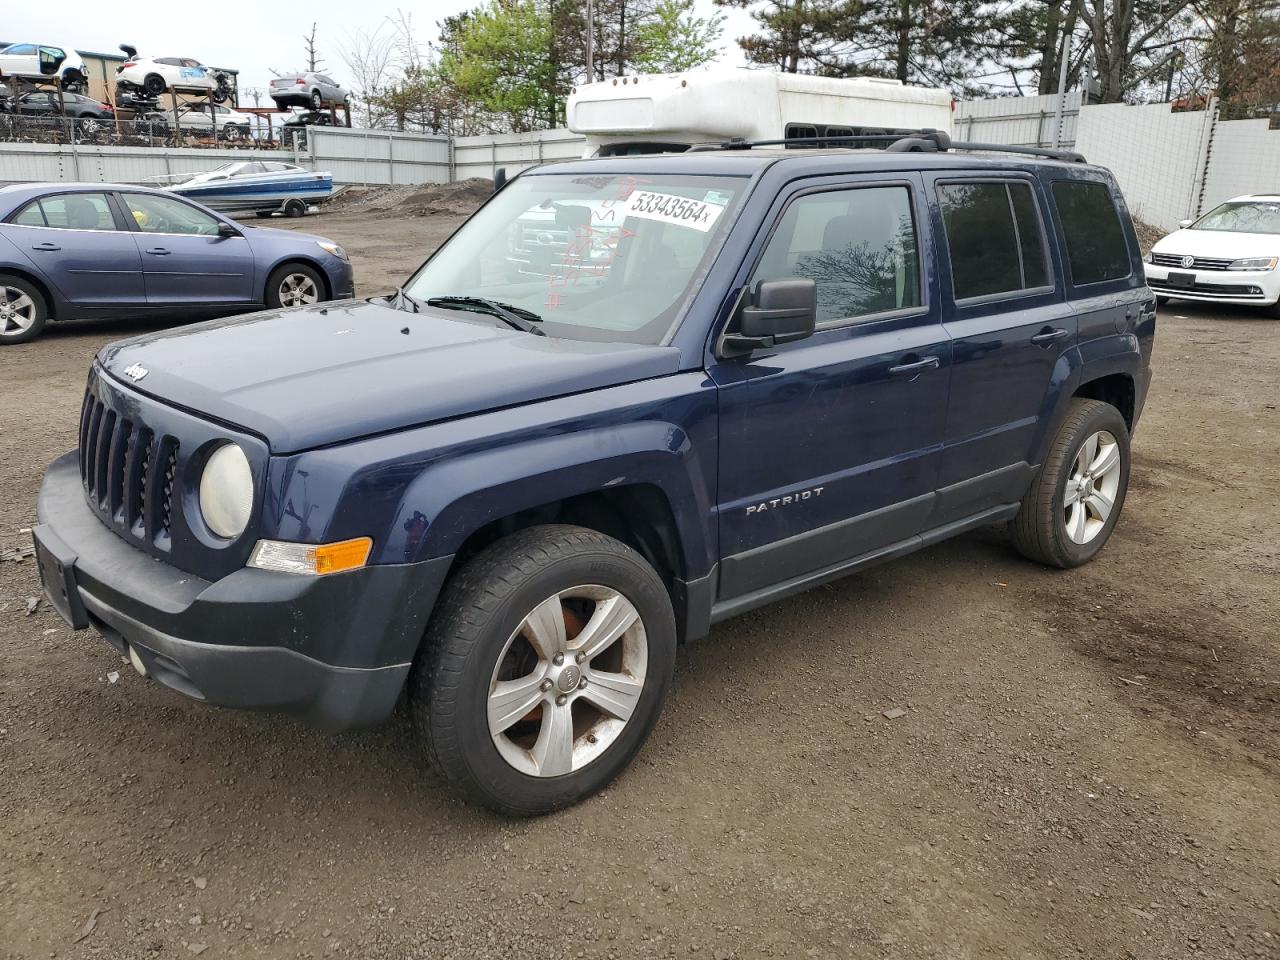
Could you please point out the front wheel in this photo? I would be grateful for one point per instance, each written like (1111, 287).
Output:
(544, 669)
(1075, 500)
(23, 313)
(294, 285)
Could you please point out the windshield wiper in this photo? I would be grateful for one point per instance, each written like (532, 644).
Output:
(512, 316)
(402, 301)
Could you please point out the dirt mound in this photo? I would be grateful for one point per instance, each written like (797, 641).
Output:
(419, 200)
(449, 198)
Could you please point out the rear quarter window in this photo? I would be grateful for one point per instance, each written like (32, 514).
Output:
(1096, 246)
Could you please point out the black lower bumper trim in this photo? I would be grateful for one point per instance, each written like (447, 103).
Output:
(255, 678)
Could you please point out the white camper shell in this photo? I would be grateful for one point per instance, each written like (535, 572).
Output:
(654, 113)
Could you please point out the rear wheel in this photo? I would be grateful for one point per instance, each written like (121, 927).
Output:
(316, 101)
(294, 285)
(1074, 502)
(295, 208)
(154, 84)
(23, 312)
(231, 132)
(544, 669)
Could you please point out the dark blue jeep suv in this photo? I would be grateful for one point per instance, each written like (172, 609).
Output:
(716, 379)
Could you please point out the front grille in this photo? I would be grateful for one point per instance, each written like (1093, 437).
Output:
(1197, 263)
(128, 471)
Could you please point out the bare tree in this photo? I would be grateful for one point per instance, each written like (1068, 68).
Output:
(309, 42)
(370, 59)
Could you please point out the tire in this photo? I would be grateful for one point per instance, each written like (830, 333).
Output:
(317, 102)
(295, 209)
(154, 84)
(305, 282)
(262, 214)
(1049, 528)
(23, 311)
(1161, 300)
(1273, 311)
(480, 630)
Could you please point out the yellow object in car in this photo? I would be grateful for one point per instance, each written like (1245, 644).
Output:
(140, 216)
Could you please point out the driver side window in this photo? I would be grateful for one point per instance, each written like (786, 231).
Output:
(165, 215)
(858, 246)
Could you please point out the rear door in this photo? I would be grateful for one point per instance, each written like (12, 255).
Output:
(828, 446)
(79, 243)
(184, 258)
(1011, 330)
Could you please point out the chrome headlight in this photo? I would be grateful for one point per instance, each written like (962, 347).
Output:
(226, 491)
(1253, 263)
(332, 248)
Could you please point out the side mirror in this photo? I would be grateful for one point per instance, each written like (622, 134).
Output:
(499, 179)
(1183, 224)
(227, 230)
(778, 311)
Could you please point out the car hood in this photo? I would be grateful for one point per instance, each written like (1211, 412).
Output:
(275, 233)
(311, 376)
(1219, 244)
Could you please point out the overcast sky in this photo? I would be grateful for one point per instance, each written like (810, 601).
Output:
(251, 37)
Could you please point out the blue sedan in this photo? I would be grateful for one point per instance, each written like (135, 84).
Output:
(105, 250)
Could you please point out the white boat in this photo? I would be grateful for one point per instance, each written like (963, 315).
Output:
(256, 185)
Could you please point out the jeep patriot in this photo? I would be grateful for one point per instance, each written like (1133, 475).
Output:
(629, 398)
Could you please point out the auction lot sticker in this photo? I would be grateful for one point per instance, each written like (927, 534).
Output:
(673, 208)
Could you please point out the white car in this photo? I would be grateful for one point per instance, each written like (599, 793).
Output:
(1230, 255)
(23, 60)
(155, 75)
(229, 124)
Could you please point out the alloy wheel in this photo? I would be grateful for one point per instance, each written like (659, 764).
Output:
(17, 312)
(567, 681)
(1092, 486)
(297, 289)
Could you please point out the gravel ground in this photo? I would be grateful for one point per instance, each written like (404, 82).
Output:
(1088, 763)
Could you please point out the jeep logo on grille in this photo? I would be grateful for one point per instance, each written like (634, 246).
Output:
(135, 372)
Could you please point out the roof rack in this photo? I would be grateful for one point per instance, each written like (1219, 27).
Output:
(921, 141)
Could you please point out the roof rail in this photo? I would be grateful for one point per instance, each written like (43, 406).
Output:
(920, 141)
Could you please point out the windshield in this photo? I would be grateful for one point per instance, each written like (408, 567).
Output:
(1246, 216)
(608, 257)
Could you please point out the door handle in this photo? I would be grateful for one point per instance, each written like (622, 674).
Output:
(915, 366)
(1049, 335)
(46, 246)
(158, 251)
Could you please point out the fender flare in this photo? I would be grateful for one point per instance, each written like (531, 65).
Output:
(454, 497)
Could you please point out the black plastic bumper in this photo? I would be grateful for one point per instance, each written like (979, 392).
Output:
(333, 650)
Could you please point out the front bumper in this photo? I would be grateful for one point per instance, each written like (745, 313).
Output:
(1248, 287)
(342, 279)
(334, 651)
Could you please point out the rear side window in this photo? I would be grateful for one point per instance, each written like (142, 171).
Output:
(994, 238)
(857, 245)
(1096, 248)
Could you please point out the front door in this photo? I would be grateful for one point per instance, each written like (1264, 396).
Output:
(76, 240)
(184, 258)
(1011, 329)
(828, 446)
